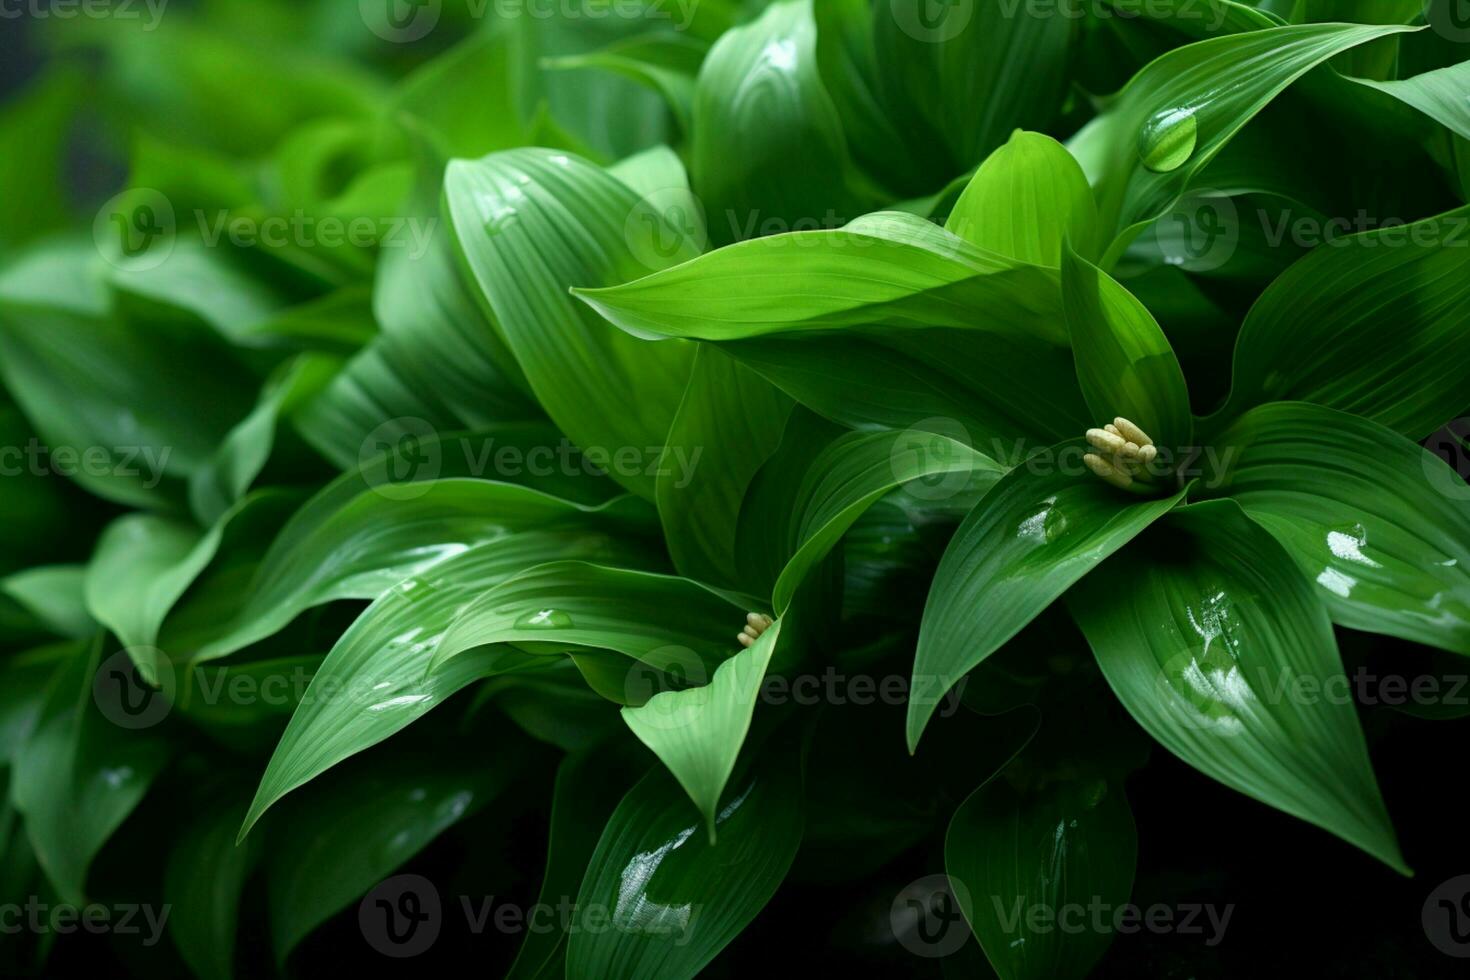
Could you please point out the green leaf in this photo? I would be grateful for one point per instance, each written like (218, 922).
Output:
(588, 788)
(1210, 636)
(1376, 521)
(727, 425)
(78, 776)
(1045, 525)
(530, 224)
(33, 136)
(574, 604)
(1372, 326)
(768, 151)
(888, 268)
(667, 64)
(1125, 365)
(361, 826)
(375, 681)
(1028, 864)
(204, 880)
(697, 733)
(1027, 198)
(54, 595)
(859, 469)
(660, 899)
(1181, 110)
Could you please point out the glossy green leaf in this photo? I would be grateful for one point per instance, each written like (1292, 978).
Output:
(1219, 647)
(204, 908)
(53, 594)
(659, 898)
(1372, 327)
(768, 151)
(366, 822)
(1376, 521)
(727, 424)
(1125, 365)
(1028, 865)
(1027, 198)
(1045, 525)
(856, 471)
(375, 681)
(530, 225)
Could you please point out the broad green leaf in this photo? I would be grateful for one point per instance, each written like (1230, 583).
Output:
(1378, 59)
(530, 224)
(1439, 94)
(378, 539)
(1028, 864)
(1217, 645)
(1045, 525)
(1378, 522)
(140, 407)
(768, 152)
(78, 775)
(727, 425)
(144, 564)
(889, 268)
(1181, 110)
(666, 622)
(664, 898)
(1371, 326)
(855, 472)
(666, 63)
(965, 76)
(361, 826)
(697, 733)
(1027, 198)
(1125, 365)
(375, 681)
(204, 880)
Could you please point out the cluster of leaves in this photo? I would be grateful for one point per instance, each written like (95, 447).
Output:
(803, 307)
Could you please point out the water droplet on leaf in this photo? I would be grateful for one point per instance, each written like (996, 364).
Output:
(1168, 139)
(544, 619)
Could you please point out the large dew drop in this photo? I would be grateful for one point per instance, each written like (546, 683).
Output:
(544, 619)
(1168, 139)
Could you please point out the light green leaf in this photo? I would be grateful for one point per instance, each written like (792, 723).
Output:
(1027, 198)
(54, 595)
